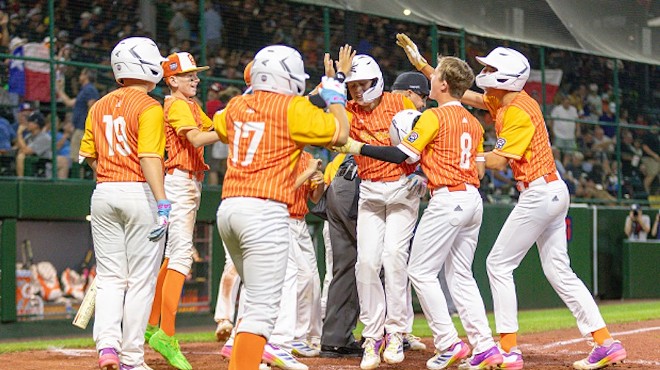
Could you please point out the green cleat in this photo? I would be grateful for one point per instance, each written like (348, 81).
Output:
(151, 330)
(169, 348)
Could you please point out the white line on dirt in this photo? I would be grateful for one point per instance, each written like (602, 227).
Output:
(578, 340)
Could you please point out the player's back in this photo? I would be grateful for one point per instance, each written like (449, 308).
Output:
(262, 155)
(115, 127)
(451, 159)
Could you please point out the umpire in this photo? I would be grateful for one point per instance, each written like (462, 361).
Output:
(343, 307)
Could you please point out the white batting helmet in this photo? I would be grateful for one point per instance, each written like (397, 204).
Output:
(279, 69)
(365, 68)
(402, 123)
(512, 70)
(137, 57)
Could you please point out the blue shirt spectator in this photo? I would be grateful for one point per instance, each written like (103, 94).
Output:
(7, 135)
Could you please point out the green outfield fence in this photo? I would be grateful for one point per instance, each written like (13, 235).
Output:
(51, 213)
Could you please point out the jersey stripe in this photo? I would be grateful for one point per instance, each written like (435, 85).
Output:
(181, 153)
(374, 128)
(299, 207)
(116, 117)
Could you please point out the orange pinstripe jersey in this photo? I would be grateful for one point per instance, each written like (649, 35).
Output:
(121, 128)
(266, 133)
(522, 137)
(299, 207)
(448, 140)
(181, 116)
(374, 128)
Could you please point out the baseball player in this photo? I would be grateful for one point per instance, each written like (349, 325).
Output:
(266, 132)
(184, 120)
(538, 217)
(387, 214)
(124, 142)
(448, 142)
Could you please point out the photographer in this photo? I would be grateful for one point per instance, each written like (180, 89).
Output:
(638, 224)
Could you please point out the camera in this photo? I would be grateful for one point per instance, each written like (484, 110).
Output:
(636, 213)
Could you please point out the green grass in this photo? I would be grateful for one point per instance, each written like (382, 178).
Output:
(531, 321)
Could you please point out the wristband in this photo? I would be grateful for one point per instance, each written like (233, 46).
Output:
(481, 159)
(340, 76)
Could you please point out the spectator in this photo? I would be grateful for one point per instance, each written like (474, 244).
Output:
(608, 116)
(651, 157)
(637, 224)
(179, 26)
(81, 104)
(593, 100)
(213, 103)
(564, 127)
(37, 143)
(213, 22)
(654, 229)
(7, 133)
(63, 146)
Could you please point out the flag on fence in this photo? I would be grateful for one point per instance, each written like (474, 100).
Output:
(552, 82)
(37, 74)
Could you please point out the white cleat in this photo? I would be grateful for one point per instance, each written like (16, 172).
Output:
(393, 353)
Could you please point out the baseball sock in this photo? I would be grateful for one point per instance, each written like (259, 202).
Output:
(172, 287)
(154, 317)
(247, 351)
(601, 336)
(508, 341)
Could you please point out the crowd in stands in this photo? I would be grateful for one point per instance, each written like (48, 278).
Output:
(585, 145)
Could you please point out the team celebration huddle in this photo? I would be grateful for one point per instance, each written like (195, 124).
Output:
(392, 151)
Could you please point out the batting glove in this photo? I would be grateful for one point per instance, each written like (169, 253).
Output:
(332, 91)
(417, 183)
(164, 208)
(351, 147)
(413, 54)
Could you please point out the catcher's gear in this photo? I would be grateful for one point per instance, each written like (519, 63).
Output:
(365, 67)
(332, 91)
(512, 70)
(351, 147)
(402, 123)
(164, 208)
(137, 57)
(412, 52)
(279, 69)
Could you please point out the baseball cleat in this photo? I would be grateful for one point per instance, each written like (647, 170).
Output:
(108, 359)
(602, 356)
(278, 357)
(414, 343)
(223, 330)
(393, 353)
(489, 359)
(150, 331)
(226, 351)
(168, 347)
(304, 349)
(511, 360)
(446, 358)
(371, 354)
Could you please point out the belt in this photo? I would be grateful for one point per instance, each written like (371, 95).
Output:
(545, 179)
(386, 178)
(450, 189)
(193, 175)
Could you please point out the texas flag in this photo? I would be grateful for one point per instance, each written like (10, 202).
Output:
(552, 82)
(37, 74)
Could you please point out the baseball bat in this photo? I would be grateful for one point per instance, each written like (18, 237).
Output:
(86, 309)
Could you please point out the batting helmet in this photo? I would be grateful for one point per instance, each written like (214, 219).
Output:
(365, 68)
(279, 69)
(137, 57)
(512, 70)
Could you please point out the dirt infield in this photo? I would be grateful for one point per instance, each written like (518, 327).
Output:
(547, 350)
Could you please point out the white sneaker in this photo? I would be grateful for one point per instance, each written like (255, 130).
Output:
(223, 330)
(453, 354)
(371, 354)
(281, 358)
(393, 353)
(414, 342)
(304, 349)
(263, 366)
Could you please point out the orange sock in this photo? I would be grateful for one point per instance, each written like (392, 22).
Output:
(172, 287)
(601, 335)
(155, 306)
(247, 351)
(508, 341)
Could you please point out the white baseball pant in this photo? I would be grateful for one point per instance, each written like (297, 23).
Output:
(123, 214)
(387, 213)
(539, 216)
(285, 325)
(185, 195)
(452, 246)
(225, 306)
(327, 279)
(308, 325)
(256, 233)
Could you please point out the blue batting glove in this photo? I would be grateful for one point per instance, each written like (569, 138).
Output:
(417, 183)
(164, 208)
(332, 91)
